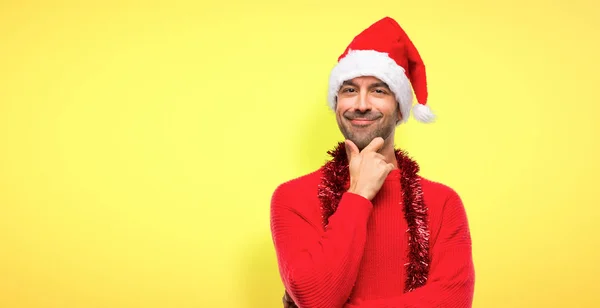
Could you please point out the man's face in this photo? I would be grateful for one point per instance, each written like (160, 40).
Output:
(366, 109)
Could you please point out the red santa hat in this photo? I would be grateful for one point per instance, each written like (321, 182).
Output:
(384, 51)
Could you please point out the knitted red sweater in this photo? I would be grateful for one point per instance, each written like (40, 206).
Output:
(359, 260)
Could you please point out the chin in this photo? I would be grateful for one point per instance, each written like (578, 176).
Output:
(362, 143)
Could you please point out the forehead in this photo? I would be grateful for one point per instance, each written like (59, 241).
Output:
(363, 80)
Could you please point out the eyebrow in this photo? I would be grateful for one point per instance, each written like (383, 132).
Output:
(349, 83)
(375, 85)
(380, 84)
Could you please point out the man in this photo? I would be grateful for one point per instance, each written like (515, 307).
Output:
(365, 230)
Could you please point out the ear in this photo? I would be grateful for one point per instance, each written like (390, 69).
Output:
(399, 114)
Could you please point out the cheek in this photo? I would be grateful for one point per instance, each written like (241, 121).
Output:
(339, 116)
(342, 106)
(344, 103)
(390, 107)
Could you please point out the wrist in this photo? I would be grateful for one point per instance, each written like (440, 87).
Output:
(363, 194)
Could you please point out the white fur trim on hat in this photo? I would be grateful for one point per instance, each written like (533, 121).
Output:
(377, 64)
(423, 113)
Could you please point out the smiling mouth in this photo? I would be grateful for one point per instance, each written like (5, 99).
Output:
(361, 122)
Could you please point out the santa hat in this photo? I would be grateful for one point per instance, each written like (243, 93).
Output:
(384, 51)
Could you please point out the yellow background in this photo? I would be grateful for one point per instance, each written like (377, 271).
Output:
(140, 143)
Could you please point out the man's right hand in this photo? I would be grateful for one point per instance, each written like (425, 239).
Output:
(368, 169)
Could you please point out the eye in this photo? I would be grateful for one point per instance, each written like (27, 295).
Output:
(380, 91)
(347, 90)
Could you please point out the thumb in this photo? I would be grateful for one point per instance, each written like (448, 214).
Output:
(351, 148)
(375, 145)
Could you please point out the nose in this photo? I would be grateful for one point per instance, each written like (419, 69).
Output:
(362, 102)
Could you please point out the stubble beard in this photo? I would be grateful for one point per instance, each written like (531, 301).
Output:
(361, 137)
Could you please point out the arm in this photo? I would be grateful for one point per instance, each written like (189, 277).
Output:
(319, 269)
(452, 275)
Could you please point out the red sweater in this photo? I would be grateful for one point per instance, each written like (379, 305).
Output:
(359, 261)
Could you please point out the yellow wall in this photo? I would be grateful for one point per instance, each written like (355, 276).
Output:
(140, 143)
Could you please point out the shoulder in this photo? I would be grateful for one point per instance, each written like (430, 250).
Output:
(299, 197)
(440, 197)
(445, 209)
(433, 188)
(303, 182)
(297, 188)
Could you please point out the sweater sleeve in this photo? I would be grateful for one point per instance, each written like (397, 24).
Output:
(319, 269)
(452, 275)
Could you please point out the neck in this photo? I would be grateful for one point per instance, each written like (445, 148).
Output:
(389, 153)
